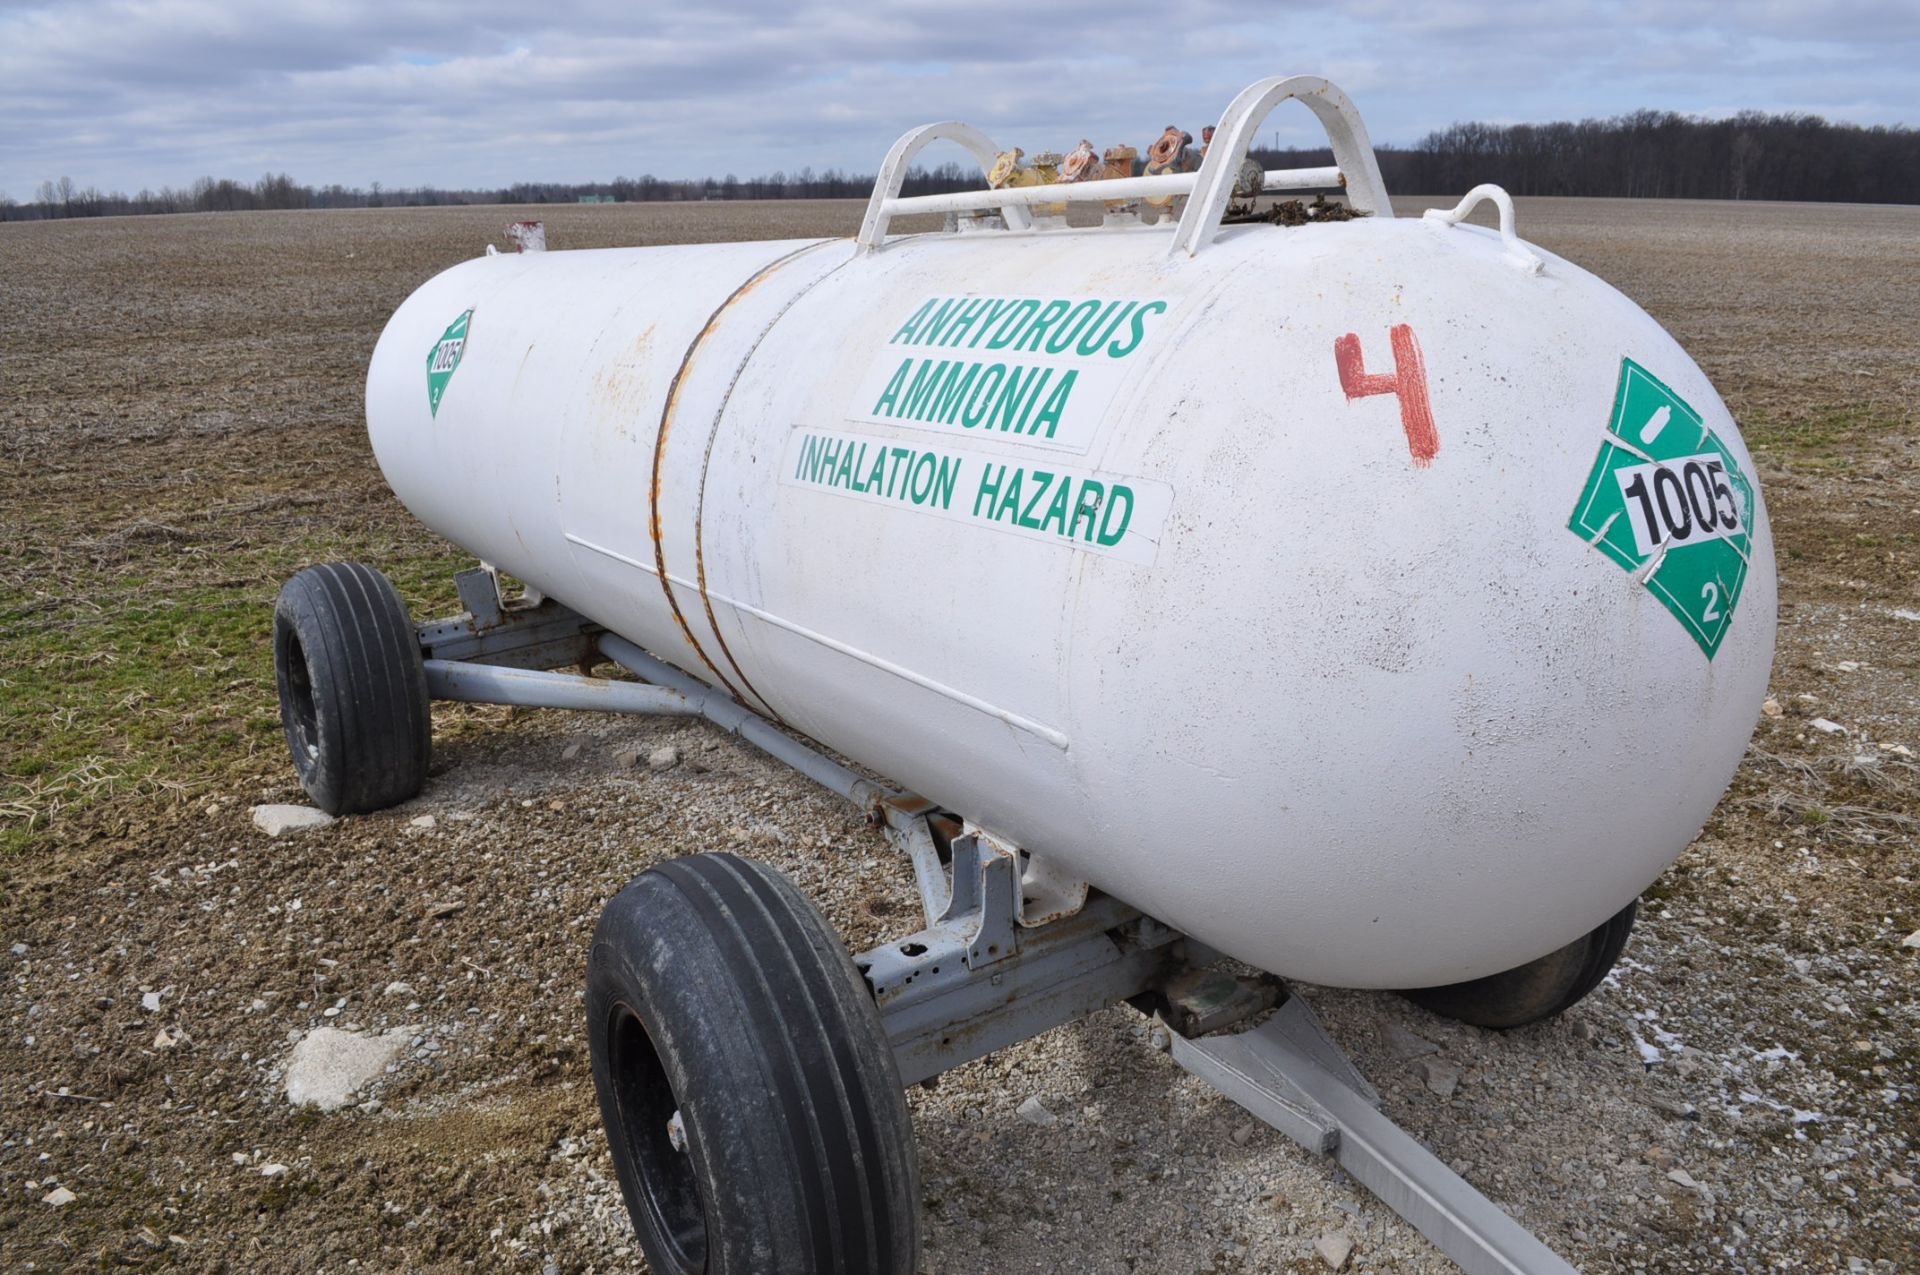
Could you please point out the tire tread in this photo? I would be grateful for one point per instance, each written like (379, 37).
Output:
(369, 688)
(831, 1135)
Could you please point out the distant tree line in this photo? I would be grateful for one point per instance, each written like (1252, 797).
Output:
(1661, 155)
(277, 191)
(1644, 155)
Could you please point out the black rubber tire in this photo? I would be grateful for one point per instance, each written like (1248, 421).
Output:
(1539, 989)
(353, 690)
(715, 989)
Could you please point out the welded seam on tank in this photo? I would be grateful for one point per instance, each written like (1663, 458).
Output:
(706, 463)
(654, 525)
(1039, 730)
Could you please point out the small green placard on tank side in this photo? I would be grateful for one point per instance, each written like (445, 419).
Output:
(444, 358)
(1667, 501)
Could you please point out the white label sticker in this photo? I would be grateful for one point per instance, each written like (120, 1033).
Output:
(1684, 501)
(1096, 513)
(1018, 369)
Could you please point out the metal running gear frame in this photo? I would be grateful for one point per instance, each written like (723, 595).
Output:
(1006, 954)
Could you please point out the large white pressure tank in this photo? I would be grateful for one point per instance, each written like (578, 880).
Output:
(1355, 597)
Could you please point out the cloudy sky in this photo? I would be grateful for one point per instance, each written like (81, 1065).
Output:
(124, 94)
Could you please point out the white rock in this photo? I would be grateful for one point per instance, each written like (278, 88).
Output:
(1335, 1249)
(1827, 727)
(1405, 1044)
(1673, 1108)
(1442, 1077)
(1242, 1135)
(1912, 940)
(423, 821)
(399, 989)
(1771, 708)
(150, 1001)
(1899, 1179)
(1683, 1178)
(1033, 1111)
(329, 1064)
(278, 821)
(19, 949)
(59, 1197)
(570, 752)
(273, 1170)
(1901, 614)
(664, 758)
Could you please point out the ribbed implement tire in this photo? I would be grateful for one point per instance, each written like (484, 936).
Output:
(353, 690)
(1539, 989)
(717, 991)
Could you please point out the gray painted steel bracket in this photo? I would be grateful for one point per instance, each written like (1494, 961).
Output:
(518, 634)
(973, 981)
(1291, 1075)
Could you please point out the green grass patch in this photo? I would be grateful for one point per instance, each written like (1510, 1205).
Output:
(153, 677)
(1825, 439)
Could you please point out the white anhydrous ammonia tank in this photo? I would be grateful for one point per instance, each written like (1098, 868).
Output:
(1367, 607)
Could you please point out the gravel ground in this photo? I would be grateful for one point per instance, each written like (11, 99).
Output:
(1740, 1095)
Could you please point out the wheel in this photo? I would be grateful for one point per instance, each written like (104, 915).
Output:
(750, 1098)
(353, 690)
(1539, 989)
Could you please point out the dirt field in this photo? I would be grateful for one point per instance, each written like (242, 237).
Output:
(180, 429)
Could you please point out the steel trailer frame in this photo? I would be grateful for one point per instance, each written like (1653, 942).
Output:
(1004, 955)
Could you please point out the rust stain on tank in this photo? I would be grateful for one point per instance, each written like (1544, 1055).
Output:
(655, 527)
(700, 506)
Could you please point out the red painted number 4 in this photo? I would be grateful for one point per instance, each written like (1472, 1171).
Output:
(1408, 381)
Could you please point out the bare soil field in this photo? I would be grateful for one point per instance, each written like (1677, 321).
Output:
(180, 429)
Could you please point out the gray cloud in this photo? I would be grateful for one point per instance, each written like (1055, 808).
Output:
(123, 94)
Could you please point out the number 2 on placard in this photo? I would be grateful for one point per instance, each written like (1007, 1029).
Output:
(1710, 594)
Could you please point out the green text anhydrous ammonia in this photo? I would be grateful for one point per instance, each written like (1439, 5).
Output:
(1043, 370)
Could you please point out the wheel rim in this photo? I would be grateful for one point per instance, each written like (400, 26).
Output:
(664, 1178)
(303, 718)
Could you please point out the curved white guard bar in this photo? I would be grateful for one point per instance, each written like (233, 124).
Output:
(1352, 153)
(1517, 252)
(1210, 188)
(886, 188)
